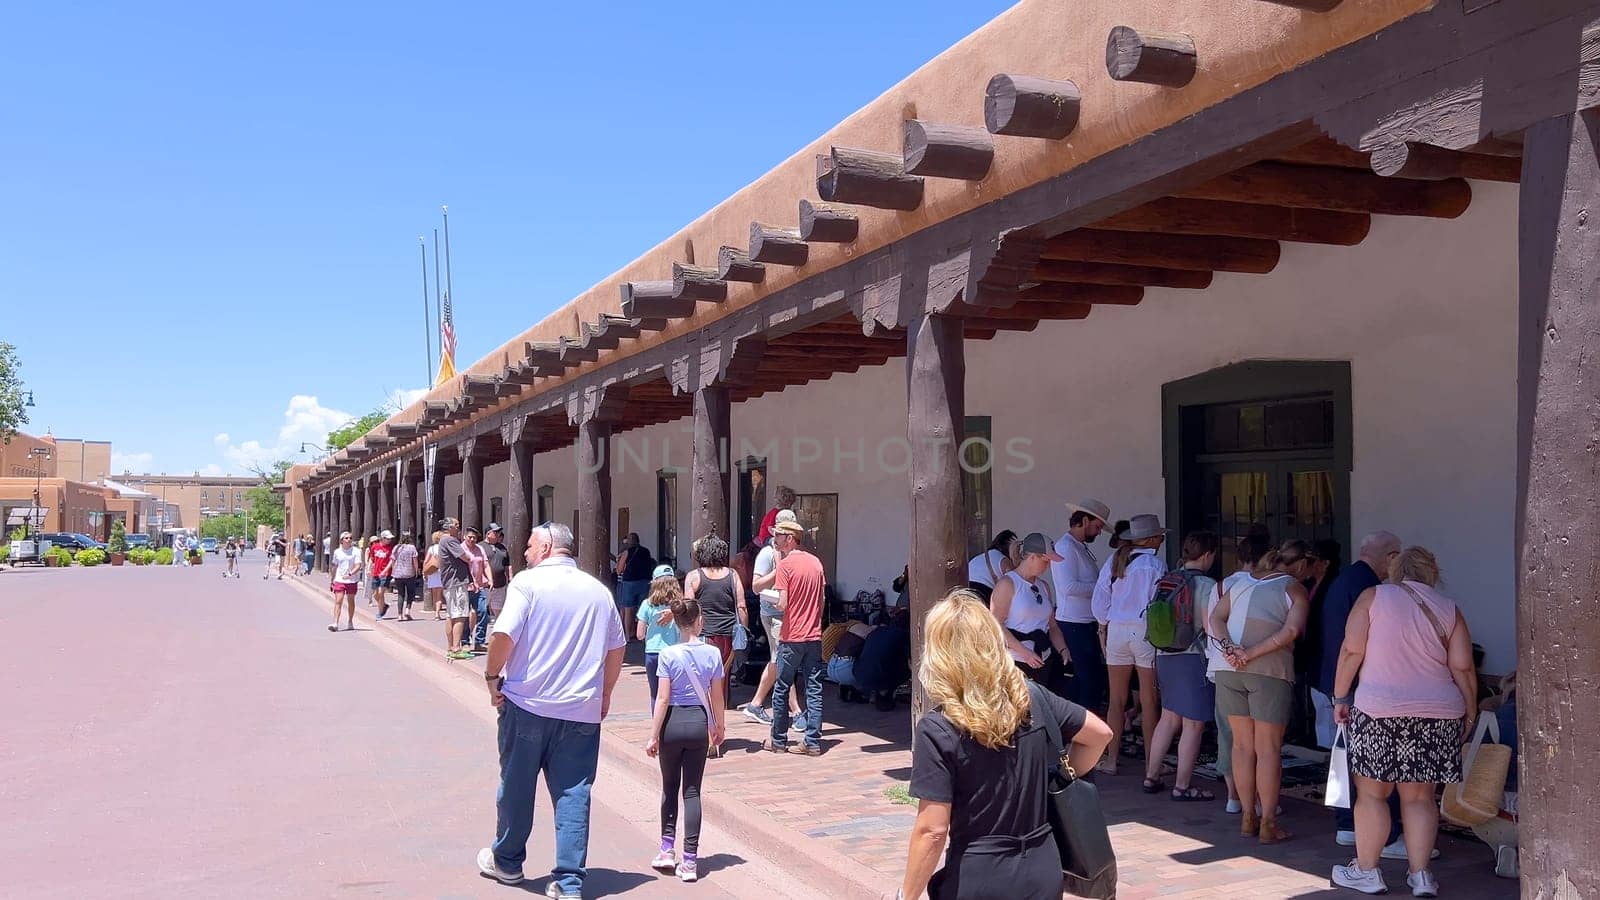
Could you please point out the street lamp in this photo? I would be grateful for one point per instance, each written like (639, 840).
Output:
(42, 455)
(29, 404)
(323, 450)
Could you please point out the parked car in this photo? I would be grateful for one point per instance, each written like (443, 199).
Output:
(71, 540)
(138, 540)
(209, 545)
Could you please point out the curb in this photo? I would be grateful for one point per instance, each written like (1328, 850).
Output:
(814, 865)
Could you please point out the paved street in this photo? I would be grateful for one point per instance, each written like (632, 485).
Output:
(172, 734)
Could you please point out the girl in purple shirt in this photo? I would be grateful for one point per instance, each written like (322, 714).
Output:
(688, 727)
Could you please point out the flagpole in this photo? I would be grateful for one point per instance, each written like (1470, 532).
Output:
(449, 285)
(427, 333)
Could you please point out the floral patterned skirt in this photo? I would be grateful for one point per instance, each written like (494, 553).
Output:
(1405, 748)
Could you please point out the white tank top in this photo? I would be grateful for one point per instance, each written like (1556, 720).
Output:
(1029, 611)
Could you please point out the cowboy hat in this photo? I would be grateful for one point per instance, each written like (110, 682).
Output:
(1092, 507)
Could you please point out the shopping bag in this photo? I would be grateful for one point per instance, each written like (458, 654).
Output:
(1339, 793)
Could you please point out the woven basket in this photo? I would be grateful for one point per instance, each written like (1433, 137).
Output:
(1477, 798)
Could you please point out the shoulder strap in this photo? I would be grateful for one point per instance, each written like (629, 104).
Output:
(1438, 627)
(993, 575)
(694, 679)
(1038, 711)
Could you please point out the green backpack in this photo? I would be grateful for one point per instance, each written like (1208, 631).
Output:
(1169, 616)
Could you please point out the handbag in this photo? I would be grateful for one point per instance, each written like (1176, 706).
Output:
(741, 637)
(1477, 798)
(430, 565)
(1339, 793)
(1072, 807)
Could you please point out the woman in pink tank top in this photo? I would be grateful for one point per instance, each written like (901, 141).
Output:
(1406, 721)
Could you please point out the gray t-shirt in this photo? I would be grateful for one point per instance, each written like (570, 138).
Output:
(453, 570)
(766, 561)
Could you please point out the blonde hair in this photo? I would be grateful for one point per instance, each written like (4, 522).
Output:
(1119, 562)
(1415, 564)
(967, 672)
(436, 536)
(664, 591)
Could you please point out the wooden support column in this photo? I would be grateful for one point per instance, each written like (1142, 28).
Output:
(471, 484)
(594, 498)
(406, 498)
(708, 487)
(936, 372)
(519, 436)
(385, 481)
(436, 510)
(359, 516)
(317, 529)
(1558, 598)
(347, 510)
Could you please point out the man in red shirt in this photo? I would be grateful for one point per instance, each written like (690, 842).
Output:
(800, 581)
(785, 501)
(380, 558)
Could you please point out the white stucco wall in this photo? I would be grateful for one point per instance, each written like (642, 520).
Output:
(1424, 311)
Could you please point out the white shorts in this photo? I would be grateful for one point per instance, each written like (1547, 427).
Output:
(1126, 646)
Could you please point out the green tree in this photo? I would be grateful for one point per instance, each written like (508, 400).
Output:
(119, 538)
(221, 527)
(266, 506)
(13, 414)
(340, 438)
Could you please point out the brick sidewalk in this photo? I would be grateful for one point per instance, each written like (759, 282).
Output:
(840, 802)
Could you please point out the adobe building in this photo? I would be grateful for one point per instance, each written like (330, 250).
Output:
(49, 466)
(1316, 265)
(192, 498)
(85, 461)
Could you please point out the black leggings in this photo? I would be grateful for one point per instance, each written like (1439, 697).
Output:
(410, 591)
(682, 753)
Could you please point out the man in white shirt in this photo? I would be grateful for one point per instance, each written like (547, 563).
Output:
(764, 575)
(559, 642)
(1074, 579)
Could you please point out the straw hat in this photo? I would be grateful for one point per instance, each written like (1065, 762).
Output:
(1092, 507)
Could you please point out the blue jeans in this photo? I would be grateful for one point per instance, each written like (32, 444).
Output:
(842, 670)
(567, 753)
(480, 604)
(798, 661)
(1089, 687)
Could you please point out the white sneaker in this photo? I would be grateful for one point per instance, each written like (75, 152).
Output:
(488, 869)
(1344, 838)
(1397, 850)
(554, 891)
(689, 870)
(1352, 876)
(664, 862)
(1423, 884)
(1234, 807)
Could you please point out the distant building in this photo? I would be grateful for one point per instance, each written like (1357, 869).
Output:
(85, 461)
(189, 499)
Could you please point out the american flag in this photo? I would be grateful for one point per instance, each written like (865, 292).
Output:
(447, 332)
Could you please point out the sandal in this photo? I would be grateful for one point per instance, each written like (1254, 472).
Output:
(1152, 786)
(1271, 833)
(1191, 795)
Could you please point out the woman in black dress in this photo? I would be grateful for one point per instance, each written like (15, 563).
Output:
(979, 761)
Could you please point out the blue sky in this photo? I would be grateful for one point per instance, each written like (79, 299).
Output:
(208, 247)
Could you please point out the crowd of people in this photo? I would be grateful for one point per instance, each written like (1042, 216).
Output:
(1047, 637)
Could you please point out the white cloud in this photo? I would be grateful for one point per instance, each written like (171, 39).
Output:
(306, 420)
(131, 462)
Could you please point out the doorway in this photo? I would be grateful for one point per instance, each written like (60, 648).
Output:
(752, 498)
(1262, 444)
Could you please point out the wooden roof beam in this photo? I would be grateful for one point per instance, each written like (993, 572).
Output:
(782, 246)
(1168, 251)
(937, 150)
(1309, 5)
(542, 358)
(827, 223)
(1091, 294)
(653, 301)
(734, 264)
(690, 282)
(1027, 106)
(1150, 57)
(867, 178)
(478, 386)
(1341, 190)
(1176, 215)
(574, 351)
(1431, 163)
(1065, 271)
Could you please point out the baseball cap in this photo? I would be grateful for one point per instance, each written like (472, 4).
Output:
(1038, 543)
(387, 535)
(663, 571)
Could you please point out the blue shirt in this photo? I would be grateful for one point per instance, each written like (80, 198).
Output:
(677, 662)
(1343, 593)
(656, 637)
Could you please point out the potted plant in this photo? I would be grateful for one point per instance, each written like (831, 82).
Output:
(58, 557)
(117, 547)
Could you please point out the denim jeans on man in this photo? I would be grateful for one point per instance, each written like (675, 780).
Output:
(480, 604)
(798, 661)
(567, 753)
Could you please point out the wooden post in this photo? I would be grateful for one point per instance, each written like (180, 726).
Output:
(708, 488)
(347, 510)
(1558, 419)
(936, 372)
(519, 484)
(436, 497)
(471, 484)
(384, 479)
(359, 512)
(594, 498)
(317, 516)
(406, 498)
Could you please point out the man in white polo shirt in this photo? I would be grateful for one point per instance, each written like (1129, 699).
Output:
(559, 642)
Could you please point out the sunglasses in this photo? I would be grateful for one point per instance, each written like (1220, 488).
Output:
(1036, 594)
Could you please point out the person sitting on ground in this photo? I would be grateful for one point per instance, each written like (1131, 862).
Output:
(1024, 603)
(884, 663)
(842, 662)
(1258, 622)
(688, 721)
(979, 762)
(1406, 720)
(1188, 700)
(654, 623)
(985, 570)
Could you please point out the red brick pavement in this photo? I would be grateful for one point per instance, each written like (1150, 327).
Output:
(839, 804)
